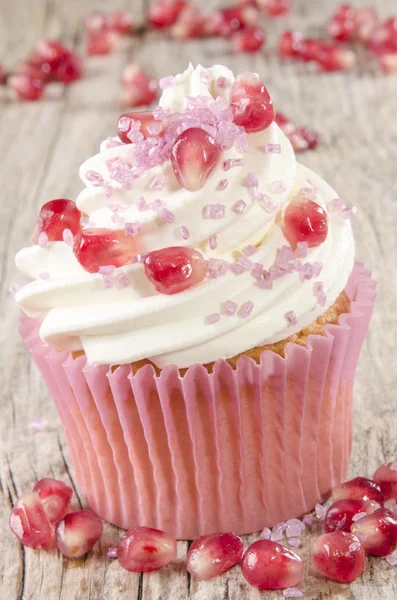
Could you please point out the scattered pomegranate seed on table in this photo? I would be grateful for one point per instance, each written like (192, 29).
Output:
(51, 54)
(342, 24)
(340, 515)
(338, 555)
(121, 22)
(249, 40)
(250, 103)
(139, 89)
(212, 555)
(71, 69)
(55, 497)
(235, 18)
(305, 221)
(55, 216)
(335, 58)
(26, 87)
(194, 156)
(175, 269)
(359, 488)
(78, 532)
(267, 565)
(190, 23)
(30, 523)
(386, 477)
(96, 22)
(101, 43)
(301, 138)
(378, 532)
(164, 13)
(143, 549)
(275, 8)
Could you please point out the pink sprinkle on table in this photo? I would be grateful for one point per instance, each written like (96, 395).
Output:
(291, 317)
(38, 424)
(213, 241)
(42, 240)
(266, 534)
(249, 250)
(222, 185)
(321, 511)
(214, 211)
(112, 552)
(167, 215)
(272, 149)
(184, 232)
(293, 592)
(230, 308)
(133, 229)
(308, 520)
(252, 180)
(392, 559)
(211, 319)
(245, 309)
(239, 207)
(294, 542)
(166, 82)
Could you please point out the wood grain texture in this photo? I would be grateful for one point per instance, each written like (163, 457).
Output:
(42, 146)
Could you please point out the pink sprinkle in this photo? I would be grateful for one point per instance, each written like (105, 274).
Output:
(233, 162)
(392, 559)
(246, 263)
(277, 532)
(222, 185)
(295, 542)
(211, 319)
(272, 149)
(317, 268)
(359, 516)
(116, 218)
(239, 207)
(141, 203)
(139, 258)
(336, 205)
(158, 182)
(213, 241)
(257, 270)
(301, 249)
(44, 275)
(276, 187)
(156, 205)
(291, 317)
(308, 520)
(284, 256)
(252, 180)
(133, 229)
(249, 250)
(136, 137)
(112, 551)
(114, 165)
(13, 288)
(95, 178)
(348, 212)
(107, 270)
(167, 215)
(266, 534)
(111, 143)
(307, 271)
(245, 309)
(294, 528)
(166, 82)
(155, 128)
(318, 288)
(321, 511)
(222, 82)
(205, 77)
(123, 280)
(322, 299)
(38, 424)
(229, 308)
(67, 237)
(42, 240)
(115, 207)
(307, 192)
(237, 269)
(298, 265)
(184, 232)
(293, 592)
(214, 211)
(108, 281)
(265, 282)
(267, 203)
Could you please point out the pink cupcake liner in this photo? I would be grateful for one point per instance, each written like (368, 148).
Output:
(232, 450)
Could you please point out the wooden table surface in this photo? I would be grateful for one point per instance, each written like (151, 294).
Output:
(42, 146)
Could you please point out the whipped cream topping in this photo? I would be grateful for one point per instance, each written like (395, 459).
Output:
(125, 324)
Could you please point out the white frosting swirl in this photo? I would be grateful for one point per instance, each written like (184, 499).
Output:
(122, 325)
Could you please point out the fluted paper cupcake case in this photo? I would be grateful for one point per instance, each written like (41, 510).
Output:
(234, 450)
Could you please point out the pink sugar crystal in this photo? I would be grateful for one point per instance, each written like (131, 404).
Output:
(214, 211)
(212, 319)
(249, 250)
(230, 308)
(123, 280)
(321, 511)
(348, 212)
(95, 178)
(184, 232)
(42, 240)
(291, 317)
(38, 424)
(392, 559)
(158, 182)
(295, 542)
(141, 203)
(292, 592)
(301, 249)
(166, 82)
(167, 215)
(237, 268)
(213, 242)
(112, 551)
(205, 77)
(266, 534)
(276, 187)
(67, 236)
(252, 180)
(272, 149)
(222, 185)
(239, 207)
(245, 309)
(233, 162)
(222, 82)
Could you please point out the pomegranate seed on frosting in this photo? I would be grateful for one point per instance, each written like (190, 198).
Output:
(267, 565)
(211, 555)
(305, 221)
(55, 217)
(143, 549)
(250, 103)
(95, 248)
(194, 156)
(173, 270)
(55, 497)
(339, 556)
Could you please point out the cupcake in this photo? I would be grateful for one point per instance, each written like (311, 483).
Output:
(198, 315)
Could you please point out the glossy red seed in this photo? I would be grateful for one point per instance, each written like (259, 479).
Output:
(140, 89)
(55, 497)
(379, 531)
(77, 533)
(101, 43)
(367, 21)
(194, 156)
(175, 269)
(335, 58)
(51, 53)
(36, 70)
(96, 22)
(143, 549)
(386, 477)
(145, 118)
(311, 137)
(339, 556)
(290, 44)
(30, 523)
(341, 30)
(26, 87)
(164, 13)
(120, 22)
(388, 62)
(191, 23)
(305, 221)
(55, 216)
(235, 18)
(340, 514)
(267, 565)
(285, 124)
(250, 103)
(249, 40)
(359, 488)
(70, 69)
(212, 555)
(95, 248)
(275, 8)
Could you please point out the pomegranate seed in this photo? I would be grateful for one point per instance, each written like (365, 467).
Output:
(311, 137)
(340, 514)
(339, 556)
(384, 38)
(3, 76)
(379, 531)
(336, 58)
(164, 13)
(194, 155)
(101, 43)
(388, 62)
(95, 248)
(342, 25)
(55, 497)
(212, 555)
(143, 549)
(386, 477)
(50, 53)
(95, 23)
(30, 523)
(70, 69)
(359, 488)
(145, 118)
(286, 126)
(26, 87)
(305, 221)
(249, 40)
(367, 21)
(77, 533)
(140, 88)
(275, 8)
(175, 269)
(267, 565)
(251, 104)
(56, 216)
(36, 70)
(290, 44)
(234, 18)
(310, 49)
(120, 22)
(191, 23)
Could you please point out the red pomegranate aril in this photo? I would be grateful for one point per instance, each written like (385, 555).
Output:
(143, 549)
(3, 76)
(251, 104)
(175, 269)
(30, 523)
(378, 531)
(191, 23)
(56, 216)
(140, 89)
(359, 488)
(338, 555)
(101, 43)
(388, 62)
(275, 8)
(194, 155)
(305, 221)
(340, 514)
(234, 18)
(290, 44)
(55, 497)
(285, 124)
(336, 58)
(310, 136)
(386, 477)
(50, 52)
(146, 120)
(249, 40)
(120, 22)
(36, 70)
(96, 22)
(70, 69)
(164, 13)
(367, 21)
(341, 30)
(96, 248)
(78, 532)
(211, 555)
(310, 49)
(26, 87)
(267, 565)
